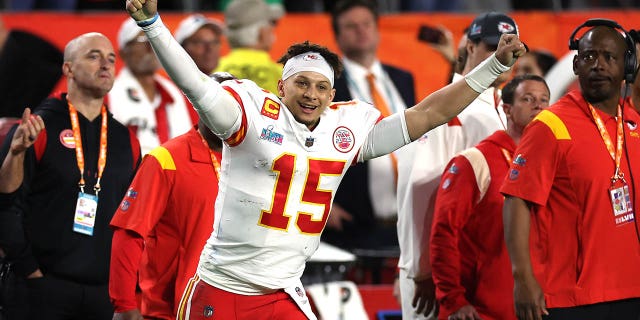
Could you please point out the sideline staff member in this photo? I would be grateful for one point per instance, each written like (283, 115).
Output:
(71, 178)
(571, 184)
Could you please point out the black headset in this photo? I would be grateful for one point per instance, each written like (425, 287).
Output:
(630, 61)
(630, 70)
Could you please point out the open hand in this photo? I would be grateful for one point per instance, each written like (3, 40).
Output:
(27, 132)
(445, 45)
(424, 297)
(529, 299)
(467, 312)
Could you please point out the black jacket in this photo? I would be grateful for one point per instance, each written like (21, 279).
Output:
(48, 195)
(353, 193)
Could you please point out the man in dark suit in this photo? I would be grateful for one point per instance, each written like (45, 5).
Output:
(365, 208)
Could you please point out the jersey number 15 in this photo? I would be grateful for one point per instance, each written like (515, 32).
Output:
(284, 165)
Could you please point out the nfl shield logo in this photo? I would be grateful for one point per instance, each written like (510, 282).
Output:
(207, 312)
(309, 142)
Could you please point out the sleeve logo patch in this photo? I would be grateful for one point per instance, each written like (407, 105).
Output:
(269, 135)
(124, 206)
(132, 193)
(270, 109)
(446, 184)
(514, 174)
(520, 160)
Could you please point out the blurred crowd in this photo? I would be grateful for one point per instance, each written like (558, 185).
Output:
(317, 6)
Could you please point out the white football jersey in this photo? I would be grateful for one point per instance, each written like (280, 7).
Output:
(277, 183)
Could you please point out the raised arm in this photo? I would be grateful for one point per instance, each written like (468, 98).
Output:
(220, 112)
(441, 106)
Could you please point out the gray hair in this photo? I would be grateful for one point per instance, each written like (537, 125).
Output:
(246, 36)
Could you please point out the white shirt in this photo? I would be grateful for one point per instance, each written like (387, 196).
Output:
(382, 184)
(420, 166)
(131, 107)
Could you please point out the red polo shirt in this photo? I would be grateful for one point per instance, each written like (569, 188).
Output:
(171, 205)
(580, 253)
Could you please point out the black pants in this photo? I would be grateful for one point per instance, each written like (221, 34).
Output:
(628, 309)
(13, 294)
(53, 298)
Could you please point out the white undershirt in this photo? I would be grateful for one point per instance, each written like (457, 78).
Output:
(382, 183)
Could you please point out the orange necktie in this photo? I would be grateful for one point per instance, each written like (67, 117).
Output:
(382, 106)
(378, 100)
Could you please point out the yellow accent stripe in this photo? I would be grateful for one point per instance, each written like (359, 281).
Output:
(554, 123)
(164, 158)
(186, 296)
(236, 137)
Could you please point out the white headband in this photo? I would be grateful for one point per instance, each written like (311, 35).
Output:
(308, 61)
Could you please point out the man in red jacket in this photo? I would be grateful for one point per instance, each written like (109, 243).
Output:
(163, 222)
(570, 208)
(470, 265)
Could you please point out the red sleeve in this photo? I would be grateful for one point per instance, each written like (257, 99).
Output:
(145, 202)
(532, 171)
(456, 197)
(126, 252)
(135, 148)
(40, 145)
(237, 138)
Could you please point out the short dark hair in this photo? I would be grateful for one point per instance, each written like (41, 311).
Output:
(345, 5)
(490, 47)
(304, 47)
(544, 59)
(509, 90)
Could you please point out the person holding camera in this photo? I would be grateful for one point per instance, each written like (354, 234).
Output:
(421, 164)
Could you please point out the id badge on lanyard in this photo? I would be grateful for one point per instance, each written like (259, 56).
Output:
(619, 194)
(621, 202)
(84, 218)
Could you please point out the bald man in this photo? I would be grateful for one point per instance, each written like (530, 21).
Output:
(66, 168)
